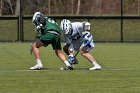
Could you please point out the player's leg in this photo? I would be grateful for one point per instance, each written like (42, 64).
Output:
(63, 59)
(85, 53)
(57, 47)
(35, 47)
(65, 49)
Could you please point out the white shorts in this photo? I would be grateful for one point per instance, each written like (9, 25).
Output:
(90, 47)
(77, 43)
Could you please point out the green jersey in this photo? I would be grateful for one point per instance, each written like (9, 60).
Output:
(51, 25)
(50, 34)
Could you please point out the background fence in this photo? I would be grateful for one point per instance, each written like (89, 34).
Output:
(103, 28)
(122, 24)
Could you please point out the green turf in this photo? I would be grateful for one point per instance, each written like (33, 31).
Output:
(120, 74)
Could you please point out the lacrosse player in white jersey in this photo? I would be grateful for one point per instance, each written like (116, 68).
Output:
(77, 37)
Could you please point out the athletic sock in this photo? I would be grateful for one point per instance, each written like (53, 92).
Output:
(94, 63)
(67, 63)
(38, 61)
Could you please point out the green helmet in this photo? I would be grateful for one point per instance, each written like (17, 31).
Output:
(38, 18)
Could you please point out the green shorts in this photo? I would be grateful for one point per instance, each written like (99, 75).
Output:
(49, 38)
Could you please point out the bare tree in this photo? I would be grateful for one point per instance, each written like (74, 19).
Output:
(92, 7)
(1, 5)
(138, 7)
(72, 5)
(11, 9)
(78, 7)
(49, 4)
(17, 11)
(55, 5)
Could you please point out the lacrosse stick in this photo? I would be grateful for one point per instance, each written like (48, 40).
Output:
(73, 59)
(31, 49)
(76, 53)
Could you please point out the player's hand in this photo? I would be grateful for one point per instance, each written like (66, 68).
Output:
(39, 27)
(71, 59)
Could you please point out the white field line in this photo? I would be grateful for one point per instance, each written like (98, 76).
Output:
(111, 69)
(18, 70)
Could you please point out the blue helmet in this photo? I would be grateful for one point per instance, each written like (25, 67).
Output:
(66, 26)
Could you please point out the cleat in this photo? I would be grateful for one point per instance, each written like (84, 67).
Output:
(96, 68)
(67, 68)
(75, 61)
(37, 67)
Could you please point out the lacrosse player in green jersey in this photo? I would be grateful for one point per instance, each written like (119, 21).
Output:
(47, 32)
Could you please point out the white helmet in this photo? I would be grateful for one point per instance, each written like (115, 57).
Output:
(86, 26)
(66, 26)
(38, 18)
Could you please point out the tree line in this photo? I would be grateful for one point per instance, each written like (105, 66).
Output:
(69, 7)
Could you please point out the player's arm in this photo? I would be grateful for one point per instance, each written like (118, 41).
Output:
(87, 39)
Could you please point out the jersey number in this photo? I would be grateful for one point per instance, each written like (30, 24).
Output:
(52, 21)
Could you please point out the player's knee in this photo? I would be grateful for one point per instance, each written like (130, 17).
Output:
(65, 49)
(57, 52)
(83, 53)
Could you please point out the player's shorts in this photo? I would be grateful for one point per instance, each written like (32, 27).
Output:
(53, 39)
(77, 44)
(89, 47)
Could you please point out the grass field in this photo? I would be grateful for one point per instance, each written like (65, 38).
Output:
(120, 73)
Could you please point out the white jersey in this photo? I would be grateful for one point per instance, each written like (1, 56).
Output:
(78, 37)
(87, 41)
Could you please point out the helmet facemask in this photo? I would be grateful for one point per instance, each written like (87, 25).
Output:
(68, 29)
(66, 26)
(38, 19)
(86, 26)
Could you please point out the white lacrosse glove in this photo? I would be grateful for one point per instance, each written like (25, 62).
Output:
(71, 58)
(38, 28)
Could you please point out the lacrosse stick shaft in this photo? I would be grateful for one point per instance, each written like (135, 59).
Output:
(78, 50)
(31, 49)
(76, 53)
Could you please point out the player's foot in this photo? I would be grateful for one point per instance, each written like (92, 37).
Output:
(37, 67)
(67, 68)
(97, 67)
